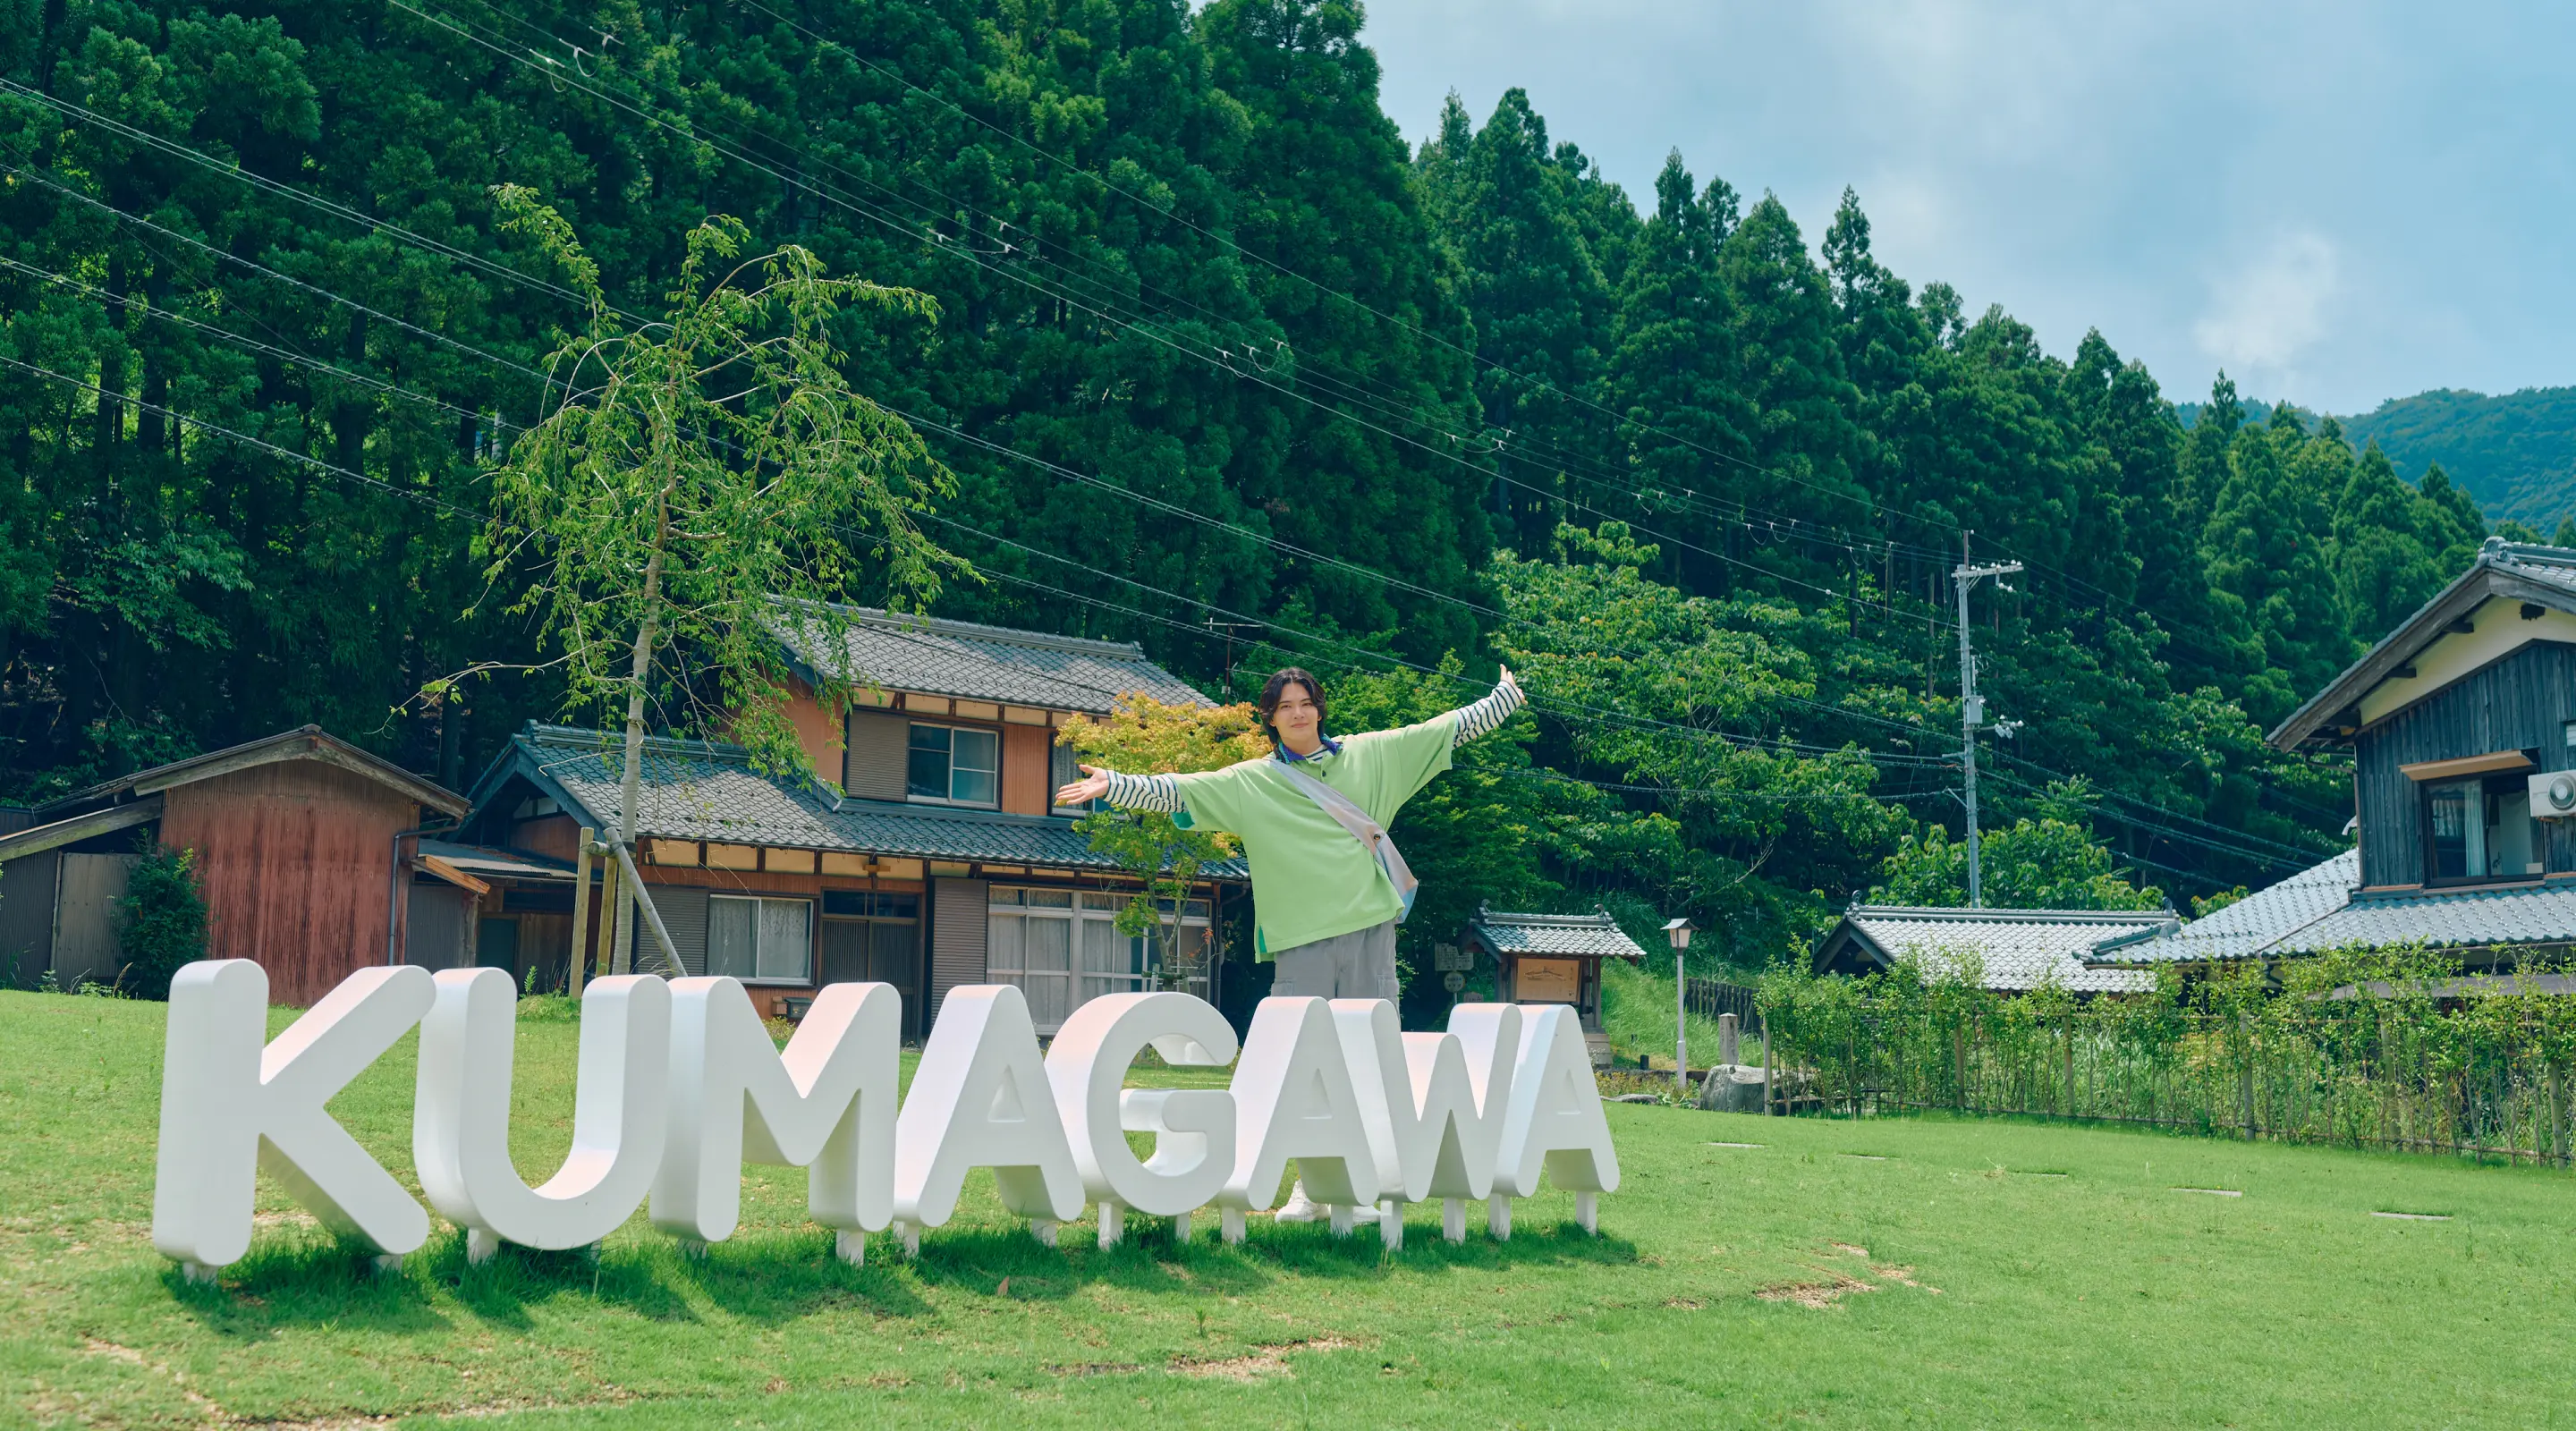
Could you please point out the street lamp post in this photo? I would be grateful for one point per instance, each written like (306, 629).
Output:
(1679, 931)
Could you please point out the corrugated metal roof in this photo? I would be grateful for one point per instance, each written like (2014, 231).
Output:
(2018, 948)
(698, 790)
(983, 663)
(506, 864)
(1594, 935)
(2251, 925)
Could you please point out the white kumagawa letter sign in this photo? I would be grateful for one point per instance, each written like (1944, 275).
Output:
(827, 1104)
(679, 1085)
(231, 1103)
(1293, 1101)
(980, 1099)
(1193, 1128)
(460, 1131)
(1434, 1120)
(1554, 1121)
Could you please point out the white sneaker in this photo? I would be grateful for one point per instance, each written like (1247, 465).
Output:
(1299, 1207)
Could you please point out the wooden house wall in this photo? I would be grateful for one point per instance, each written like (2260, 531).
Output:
(2518, 703)
(295, 861)
(1024, 769)
(557, 837)
(817, 730)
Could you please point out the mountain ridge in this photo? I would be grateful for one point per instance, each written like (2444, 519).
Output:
(2514, 453)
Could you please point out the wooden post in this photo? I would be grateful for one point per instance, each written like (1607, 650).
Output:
(2245, 1073)
(2068, 1087)
(1766, 1067)
(2557, 1117)
(607, 918)
(577, 965)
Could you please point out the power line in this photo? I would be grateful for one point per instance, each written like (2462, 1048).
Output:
(290, 454)
(1228, 366)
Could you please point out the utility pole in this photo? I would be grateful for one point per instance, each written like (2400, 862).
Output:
(1972, 707)
(1229, 628)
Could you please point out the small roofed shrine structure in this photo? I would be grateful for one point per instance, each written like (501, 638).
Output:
(1553, 959)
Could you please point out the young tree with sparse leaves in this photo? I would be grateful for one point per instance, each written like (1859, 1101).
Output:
(697, 483)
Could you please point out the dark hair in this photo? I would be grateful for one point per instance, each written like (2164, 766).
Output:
(1278, 685)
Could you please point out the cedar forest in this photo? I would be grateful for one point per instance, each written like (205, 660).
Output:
(1220, 364)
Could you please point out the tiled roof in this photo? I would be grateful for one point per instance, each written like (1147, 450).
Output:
(2018, 948)
(2251, 925)
(2319, 909)
(982, 663)
(2532, 914)
(1594, 935)
(697, 790)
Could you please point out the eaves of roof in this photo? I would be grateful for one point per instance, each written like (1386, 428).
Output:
(2015, 948)
(1591, 936)
(698, 790)
(2545, 576)
(309, 742)
(970, 661)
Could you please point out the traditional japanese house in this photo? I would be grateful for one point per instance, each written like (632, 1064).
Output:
(1553, 959)
(2014, 950)
(299, 841)
(940, 861)
(2461, 725)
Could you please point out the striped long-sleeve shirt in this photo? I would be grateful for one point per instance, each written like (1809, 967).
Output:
(1163, 792)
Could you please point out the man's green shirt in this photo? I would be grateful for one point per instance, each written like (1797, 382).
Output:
(1310, 879)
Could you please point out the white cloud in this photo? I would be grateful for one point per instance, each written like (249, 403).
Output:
(2262, 317)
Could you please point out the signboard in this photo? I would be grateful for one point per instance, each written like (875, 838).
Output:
(680, 1085)
(1453, 981)
(1449, 958)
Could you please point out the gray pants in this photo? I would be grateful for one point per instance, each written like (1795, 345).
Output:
(1357, 965)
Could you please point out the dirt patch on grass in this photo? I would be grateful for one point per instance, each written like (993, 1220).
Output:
(1684, 1304)
(1094, 1368)
(1260, 1363)
(1816, 1296)
(1837, 1284)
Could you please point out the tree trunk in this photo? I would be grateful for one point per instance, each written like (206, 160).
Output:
(630, 788)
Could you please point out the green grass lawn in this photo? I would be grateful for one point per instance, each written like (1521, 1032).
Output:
(1898, 1272)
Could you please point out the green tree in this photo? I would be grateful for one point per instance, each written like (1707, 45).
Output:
(164, 925)
(1674, 378)
(2266, 551)
(2031, 864)
(1540, 305)
(699, 482)
(1146, 736)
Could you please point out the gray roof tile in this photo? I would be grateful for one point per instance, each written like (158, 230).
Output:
(983, 663)
(696, 790)
(2249, 926)
(2319, 909)
(2533, 914)
(2018, 948)
(1594, 935)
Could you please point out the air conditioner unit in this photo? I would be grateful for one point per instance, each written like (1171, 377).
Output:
(2553, 794)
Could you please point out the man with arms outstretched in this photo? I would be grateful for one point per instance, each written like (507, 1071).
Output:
(1327, 888)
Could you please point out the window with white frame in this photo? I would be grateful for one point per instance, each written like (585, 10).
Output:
(1063, 949)
(769, 941)
(954, 763)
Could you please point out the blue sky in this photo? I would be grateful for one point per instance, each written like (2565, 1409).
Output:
(2337, 203)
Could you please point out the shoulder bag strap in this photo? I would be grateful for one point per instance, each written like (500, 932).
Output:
(1371, 835)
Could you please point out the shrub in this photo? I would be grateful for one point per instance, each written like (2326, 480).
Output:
(165, 922)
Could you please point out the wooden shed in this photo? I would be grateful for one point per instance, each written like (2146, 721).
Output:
(298, 840)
